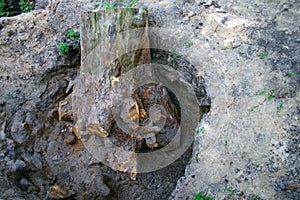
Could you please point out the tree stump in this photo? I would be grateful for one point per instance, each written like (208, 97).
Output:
(131, 114)
(139, 118)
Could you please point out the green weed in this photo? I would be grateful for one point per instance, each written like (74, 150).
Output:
(226, 144)
(131, 4)
(109, 6)
(280, 107)
(200, 130)
(270, 97)
(262, 92)
(188, 43)
(200, 196)
(229, 191)
(263, 55)
(174, 55)
(290, 74)
(63, 48)
(72, 33)
(26, 6)
(2, 9)
(254, 107)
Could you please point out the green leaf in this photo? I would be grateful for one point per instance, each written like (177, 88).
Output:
(290, 74)
(63, 48)
(254, 107)
(200, 196)
(262, 92)
(188, 43)
(229, 191)
(263, 55)
(72, 33)
(200, 130)
(280, 107)
(226, 144)
(109, 6)
(270, 97)
(132, 4)
(2, 9)
(26, 6)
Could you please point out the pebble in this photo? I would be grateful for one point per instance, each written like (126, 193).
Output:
(236, 43)
(69, 138)
(24, 182)
(186, 20)
(18, 165)
(191, 14)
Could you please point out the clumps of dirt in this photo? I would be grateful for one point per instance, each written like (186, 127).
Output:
(281, 47)
(288, 185)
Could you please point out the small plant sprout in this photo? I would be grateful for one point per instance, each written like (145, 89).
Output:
(229, 191)
(224, 47)
(72, 33)
(188, 43)
(226, 144)
(172, 57)
(63, 48)
(262, 92)
(131, 4)
(270, 97)
(263, 55)
(280, 107)
(109, 6)
(200, 130)
(200, 196)
(26, 6)
(290, 74)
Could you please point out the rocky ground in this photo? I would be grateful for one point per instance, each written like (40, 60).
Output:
(246, 146)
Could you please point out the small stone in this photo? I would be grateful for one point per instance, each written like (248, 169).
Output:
(191, 14)
(24, 182)
(70, 138)
(186, 20)
(236, 43)
(18, 165)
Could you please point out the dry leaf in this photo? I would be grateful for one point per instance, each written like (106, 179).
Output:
(134, 112)
(58, 192)
(97, 129)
